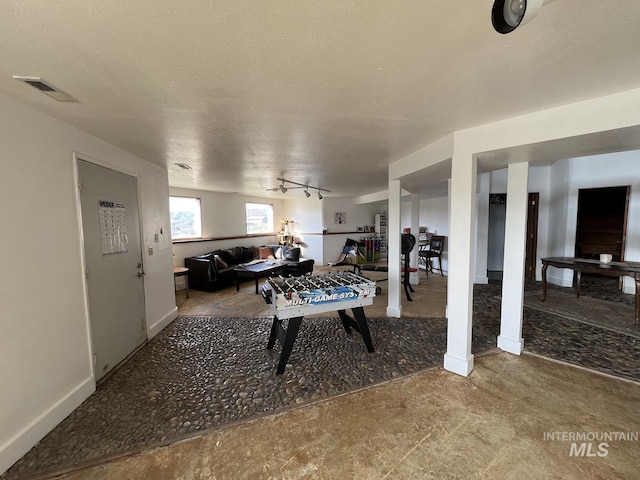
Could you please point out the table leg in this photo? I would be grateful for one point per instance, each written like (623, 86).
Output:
(256, 284)
(274, 333)
(289, 339)
(544, 282)
(359, 324)
(363, 327)
(578, 277)
(186, 282)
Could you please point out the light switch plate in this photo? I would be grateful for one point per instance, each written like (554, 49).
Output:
(150, 251)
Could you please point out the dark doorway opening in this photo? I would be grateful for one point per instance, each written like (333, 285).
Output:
(601, 222)
(532, 236)
(497, 227)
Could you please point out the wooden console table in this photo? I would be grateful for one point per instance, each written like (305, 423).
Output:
(579, 265)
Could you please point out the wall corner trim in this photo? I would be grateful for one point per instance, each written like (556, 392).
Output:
(15, 448)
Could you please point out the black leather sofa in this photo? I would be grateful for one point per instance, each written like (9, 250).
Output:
(214, 270)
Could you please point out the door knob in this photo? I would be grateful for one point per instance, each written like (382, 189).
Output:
(140, 273)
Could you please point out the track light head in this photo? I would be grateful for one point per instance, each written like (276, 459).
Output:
(507, 15)
(306, 192)
(283, 189)
(320, 197)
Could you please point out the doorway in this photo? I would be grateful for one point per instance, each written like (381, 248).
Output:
(532, 236)
(113, 261)
(602, 222)
(497, 227)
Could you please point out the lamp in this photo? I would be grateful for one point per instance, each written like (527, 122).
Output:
(507, 15)
(306, 187)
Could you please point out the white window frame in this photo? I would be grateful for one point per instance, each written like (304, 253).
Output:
(197, 221)
(270, 229)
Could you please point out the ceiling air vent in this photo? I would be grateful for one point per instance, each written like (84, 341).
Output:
(47, 89)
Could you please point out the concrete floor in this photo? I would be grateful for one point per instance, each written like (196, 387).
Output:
(433, 424)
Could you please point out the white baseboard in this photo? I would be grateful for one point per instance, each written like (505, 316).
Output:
(15, 448)
(166, 320)
(559, 280)
(481, 280)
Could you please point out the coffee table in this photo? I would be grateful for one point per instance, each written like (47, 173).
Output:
(258, 270)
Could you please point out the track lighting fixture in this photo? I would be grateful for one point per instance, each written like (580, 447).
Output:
(305, 186)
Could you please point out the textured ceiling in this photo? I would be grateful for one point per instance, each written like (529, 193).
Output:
(325, 92)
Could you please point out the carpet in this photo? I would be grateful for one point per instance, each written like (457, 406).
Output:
(614, 316)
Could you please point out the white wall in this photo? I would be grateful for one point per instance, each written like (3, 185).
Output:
(358, 215)
(609, 170)
(434, 214)
(307, 216)
(224, 215)
(45, 354)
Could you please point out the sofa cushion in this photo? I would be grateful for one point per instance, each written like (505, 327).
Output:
(221, 264)
(247, 254)
(228, 257)
(236, 255)
(291, 253)
(266, 253)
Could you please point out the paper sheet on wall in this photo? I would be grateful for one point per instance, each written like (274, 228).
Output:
(113, 227)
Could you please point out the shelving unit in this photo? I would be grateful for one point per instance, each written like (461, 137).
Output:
(382, 231)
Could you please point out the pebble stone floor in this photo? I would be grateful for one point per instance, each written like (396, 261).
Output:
(201, 373)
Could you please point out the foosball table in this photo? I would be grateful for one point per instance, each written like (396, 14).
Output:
(294, 297)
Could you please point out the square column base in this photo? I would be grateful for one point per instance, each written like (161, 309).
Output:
(510, 345)
(394, 312)
(457, 365)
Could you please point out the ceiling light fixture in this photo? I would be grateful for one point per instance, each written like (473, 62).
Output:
(305, 186)
(184, 166)
(507, 15)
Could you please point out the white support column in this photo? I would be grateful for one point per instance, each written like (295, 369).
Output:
(394, 307)
(482, 228)
(510, 338)
(414, 278)
(462, 197)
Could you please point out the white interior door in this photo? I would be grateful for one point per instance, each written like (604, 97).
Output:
(113, 257)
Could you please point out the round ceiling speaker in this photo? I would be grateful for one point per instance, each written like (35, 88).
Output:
(507, 15)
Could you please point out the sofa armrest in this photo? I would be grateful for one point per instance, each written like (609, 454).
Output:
(201, 271)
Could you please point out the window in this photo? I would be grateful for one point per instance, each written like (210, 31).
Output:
(186, 220)
(259, 218)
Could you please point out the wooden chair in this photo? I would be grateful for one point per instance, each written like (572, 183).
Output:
(423, 250)
(435, 251)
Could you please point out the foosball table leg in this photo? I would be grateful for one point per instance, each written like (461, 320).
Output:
(363, 327)
(360, 324)
(287, 339)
